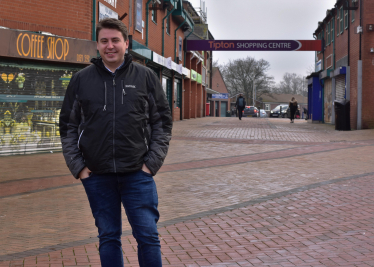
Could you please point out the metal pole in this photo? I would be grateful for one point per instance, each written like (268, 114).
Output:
(253, 93)
(359, 95)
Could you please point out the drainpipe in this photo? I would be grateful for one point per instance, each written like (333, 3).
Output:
(333, 80)
(323, 82)
(185, 52)
(359, 80)
(175, 41)
(349, 35)
(163, 27)
(93, 20)
(333, 52)
(147, 20)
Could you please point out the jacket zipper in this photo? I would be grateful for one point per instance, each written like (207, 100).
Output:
(104, 109)
(114, 121)
(79, 139)
(145, 139)
(123, 91)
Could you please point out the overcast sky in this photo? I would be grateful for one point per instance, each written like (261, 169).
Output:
(267, 20)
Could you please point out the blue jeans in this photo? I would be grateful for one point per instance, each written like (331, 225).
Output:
(138, 194)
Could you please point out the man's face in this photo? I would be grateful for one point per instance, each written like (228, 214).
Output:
(112, 47)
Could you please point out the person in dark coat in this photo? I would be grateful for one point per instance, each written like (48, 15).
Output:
(240, 105)
(293, 108)
(115, 127)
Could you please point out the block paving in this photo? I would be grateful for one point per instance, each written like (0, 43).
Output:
(256, 192)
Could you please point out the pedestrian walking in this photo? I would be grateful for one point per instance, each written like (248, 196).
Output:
(115, 127)
(240, 105)
(293, 107)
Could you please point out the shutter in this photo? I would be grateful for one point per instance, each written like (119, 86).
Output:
(340, 87)
(328, 100)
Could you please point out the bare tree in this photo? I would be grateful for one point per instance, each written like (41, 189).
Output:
(241, 75)
(311, 68)
(291, 84)
(216, 64)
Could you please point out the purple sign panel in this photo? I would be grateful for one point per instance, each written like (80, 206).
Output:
(254, 45)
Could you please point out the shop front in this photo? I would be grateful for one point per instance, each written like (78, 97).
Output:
(315, 107)
(221, 104)
(327, 100)
(35, 71)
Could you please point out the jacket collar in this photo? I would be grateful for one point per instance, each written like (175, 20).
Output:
(99, 63)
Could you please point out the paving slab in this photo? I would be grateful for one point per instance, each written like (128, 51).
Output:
(215, 166)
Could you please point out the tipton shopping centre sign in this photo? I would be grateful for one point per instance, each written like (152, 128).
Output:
(254, 45)
(30, 45)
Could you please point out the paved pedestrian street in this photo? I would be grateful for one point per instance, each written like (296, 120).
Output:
(255, 192)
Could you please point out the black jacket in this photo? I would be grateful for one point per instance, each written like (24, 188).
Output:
(115, 123)
(237, 102)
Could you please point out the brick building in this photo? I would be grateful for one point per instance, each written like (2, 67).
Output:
(345, 69)
(43, 44)
(220, 100)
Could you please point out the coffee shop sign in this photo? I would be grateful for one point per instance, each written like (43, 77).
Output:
(45, 47)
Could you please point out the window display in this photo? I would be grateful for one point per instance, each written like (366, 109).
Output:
(30, 104)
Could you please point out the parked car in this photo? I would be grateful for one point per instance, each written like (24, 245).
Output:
(251, 112)
(279, 111)
(263, 113)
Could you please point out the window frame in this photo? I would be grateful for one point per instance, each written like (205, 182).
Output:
(353, 16)
(319, 37)
(154, 14)
(341, 26)
(337, 22)
(267, 107)
(346, 23)
(168, 25)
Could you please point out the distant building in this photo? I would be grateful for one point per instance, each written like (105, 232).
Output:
(218, 100)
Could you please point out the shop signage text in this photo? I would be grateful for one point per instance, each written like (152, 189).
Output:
(22, 44)
(254, 45)
(220, 96)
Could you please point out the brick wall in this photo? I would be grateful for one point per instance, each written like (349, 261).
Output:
(341, 50)
(66, 18)
(368, 67)
(217, 82)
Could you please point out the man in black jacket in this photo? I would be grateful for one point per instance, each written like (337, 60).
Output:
(115, 127)
(240, 105)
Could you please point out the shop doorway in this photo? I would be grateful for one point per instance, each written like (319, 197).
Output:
(166, 85)
(178, 95)
(223, 109)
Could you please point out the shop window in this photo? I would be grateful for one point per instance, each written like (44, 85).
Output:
(30, 105)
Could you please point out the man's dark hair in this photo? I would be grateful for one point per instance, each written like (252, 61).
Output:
(110, 23)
